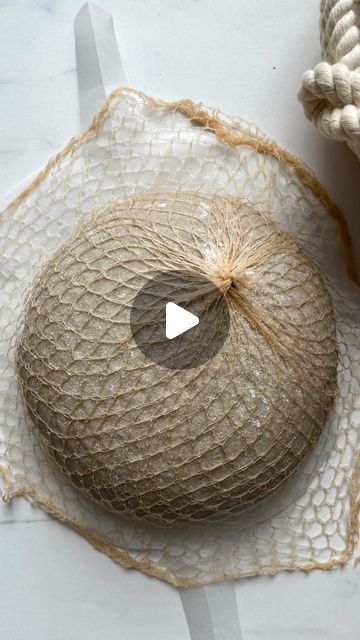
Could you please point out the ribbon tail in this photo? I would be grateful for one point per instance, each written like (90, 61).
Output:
(99, 66)
(211, 612)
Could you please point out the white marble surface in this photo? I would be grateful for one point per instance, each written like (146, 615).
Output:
(245, 58)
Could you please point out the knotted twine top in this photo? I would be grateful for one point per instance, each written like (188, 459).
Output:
(138, 144)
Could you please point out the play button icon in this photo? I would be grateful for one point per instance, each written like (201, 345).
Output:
(179, 319)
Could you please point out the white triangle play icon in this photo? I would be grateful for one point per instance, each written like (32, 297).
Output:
(178, 320)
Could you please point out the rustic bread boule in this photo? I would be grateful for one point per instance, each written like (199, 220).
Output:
(159, 444)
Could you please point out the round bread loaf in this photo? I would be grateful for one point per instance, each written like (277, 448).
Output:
(202, 442)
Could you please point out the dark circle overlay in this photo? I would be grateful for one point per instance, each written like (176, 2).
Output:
(192, 292)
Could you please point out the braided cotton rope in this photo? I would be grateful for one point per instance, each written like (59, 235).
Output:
(330, 93)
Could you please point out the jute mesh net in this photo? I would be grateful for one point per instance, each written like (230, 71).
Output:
(140, 154)
(198, 442)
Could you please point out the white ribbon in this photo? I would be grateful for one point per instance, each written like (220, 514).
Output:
(99, 66)
(211, 611)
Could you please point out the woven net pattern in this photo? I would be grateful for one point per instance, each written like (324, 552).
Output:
(171, 446)
(135, 146)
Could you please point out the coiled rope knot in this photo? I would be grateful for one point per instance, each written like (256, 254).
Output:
(330, 93)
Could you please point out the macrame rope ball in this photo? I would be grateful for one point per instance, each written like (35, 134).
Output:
(171, 446)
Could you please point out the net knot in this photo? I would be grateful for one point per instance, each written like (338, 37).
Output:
(227, 278)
